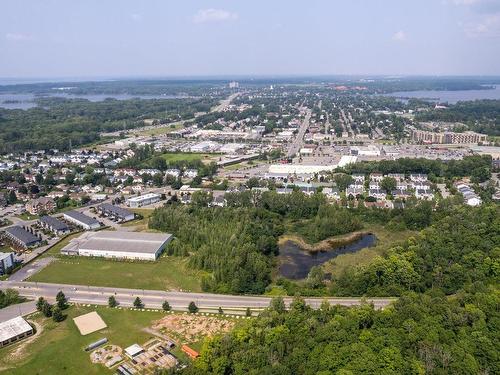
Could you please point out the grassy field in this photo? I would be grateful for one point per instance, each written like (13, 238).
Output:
(140, 225)
(167, 273)
(27, 216)
(58, 349)
(164, 129)
(173, 157)
(385, 240)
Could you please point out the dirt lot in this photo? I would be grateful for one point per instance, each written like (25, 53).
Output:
(190, 328)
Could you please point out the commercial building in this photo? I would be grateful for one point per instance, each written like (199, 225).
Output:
(13, 330)
(40, 205)
(21, 237)
(84, 221)
(6, 262)
(370, 150)
(56, 226)
(118, 213)
(119, 245)
(143, 200)
(467, 137)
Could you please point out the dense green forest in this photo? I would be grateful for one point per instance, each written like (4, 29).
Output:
(238, 243)
(57, 121)
(420, 334)
(482, 116)
(445, 321)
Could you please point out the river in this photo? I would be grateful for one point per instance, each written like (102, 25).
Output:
(450, 97)
(295, 263)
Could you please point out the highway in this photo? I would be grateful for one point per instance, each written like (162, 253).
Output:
(154, 298)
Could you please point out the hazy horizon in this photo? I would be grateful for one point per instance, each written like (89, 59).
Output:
(222, 38)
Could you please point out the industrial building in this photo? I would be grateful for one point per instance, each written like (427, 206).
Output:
(21, 237)
(13, 330)
(115, 212)
(119, 245)
(56, 226)
(84, 221)
(6, 262)
(143, 200)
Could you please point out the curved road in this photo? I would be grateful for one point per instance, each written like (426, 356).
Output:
(155, 298)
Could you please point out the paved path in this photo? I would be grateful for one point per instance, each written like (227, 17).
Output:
(30, 269)
(12, 311)
(155, 298)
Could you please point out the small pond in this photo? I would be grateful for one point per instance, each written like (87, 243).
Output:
(295, 263)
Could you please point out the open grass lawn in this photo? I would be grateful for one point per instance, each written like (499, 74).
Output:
(167, 273)
(163, 129)
(385, 240)
(140, 225)
(59, 348)
(27, 216)
(172, 157)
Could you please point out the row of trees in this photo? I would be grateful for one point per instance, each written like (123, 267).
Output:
(54, 311)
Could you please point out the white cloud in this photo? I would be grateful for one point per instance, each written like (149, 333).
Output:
(18, 37)
(488, 27)
(214, 15)
(399, 36)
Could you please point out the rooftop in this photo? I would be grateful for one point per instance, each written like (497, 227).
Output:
(81, 217)
(122, 212)
(54, 223)
(13, 327)
(133, 242)
(143, 197)
(22, 234)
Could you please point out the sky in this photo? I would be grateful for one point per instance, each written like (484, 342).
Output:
(167, 38)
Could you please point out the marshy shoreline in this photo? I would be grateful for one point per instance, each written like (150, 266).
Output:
(329, 244)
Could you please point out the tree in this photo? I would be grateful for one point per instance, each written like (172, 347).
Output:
(252, 182)
(112, 301)
(39, 303)
(343, 181)
(278, 304)
(138, 303)
(11, 197)
(201, 198)
(57, 314)
(166, 306)
(192, 308)
(61, 300)
(46, 309)
(315, 277)
(388, 184)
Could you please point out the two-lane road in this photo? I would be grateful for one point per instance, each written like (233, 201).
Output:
(155, 298)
